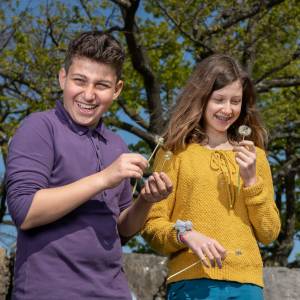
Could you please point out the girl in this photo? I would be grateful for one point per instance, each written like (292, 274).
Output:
(222, 203)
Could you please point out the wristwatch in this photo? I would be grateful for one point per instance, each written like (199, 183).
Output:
(181, 227)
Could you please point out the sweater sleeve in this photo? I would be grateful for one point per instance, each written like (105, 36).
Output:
(159, 230)
(29, 165)
(259, 199)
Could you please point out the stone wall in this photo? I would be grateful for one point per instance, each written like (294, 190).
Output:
(146, 275)
(4, 274)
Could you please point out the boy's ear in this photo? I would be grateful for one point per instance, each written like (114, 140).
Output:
(62, 78)
(119, 87)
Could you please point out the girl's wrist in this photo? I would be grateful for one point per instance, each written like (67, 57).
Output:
(250, 182)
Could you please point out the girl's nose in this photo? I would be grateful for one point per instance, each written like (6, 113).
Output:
(227, 107)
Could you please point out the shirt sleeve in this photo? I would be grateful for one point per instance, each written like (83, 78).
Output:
(259, 199)
(126, 194)
(29, 164)
(159, 229)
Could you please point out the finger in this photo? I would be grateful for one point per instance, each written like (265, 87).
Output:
(248, 158)
(216, 255)
(245, 150)
(202, 257)
(160, 185)
(159, 182)
(147, 188)
(137, 159)
(241, 163)
(135, 171)
(153, 187)
(222, 251)
(248, 145)
(167, 181)
(207, 252)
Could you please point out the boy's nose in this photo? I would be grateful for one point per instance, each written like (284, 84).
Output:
(89, 94)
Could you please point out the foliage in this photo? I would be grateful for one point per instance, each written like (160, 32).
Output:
(164, 39)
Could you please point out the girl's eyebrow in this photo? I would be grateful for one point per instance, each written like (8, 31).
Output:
(221, 96)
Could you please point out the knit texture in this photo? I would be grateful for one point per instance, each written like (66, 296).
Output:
(206, 192)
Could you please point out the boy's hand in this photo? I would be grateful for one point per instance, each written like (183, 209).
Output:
(127, 165)
(245, 156)
(157, 187)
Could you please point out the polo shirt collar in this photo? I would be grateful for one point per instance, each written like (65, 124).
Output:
(77, 128)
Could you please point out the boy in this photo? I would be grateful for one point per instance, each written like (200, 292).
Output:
(68, 184)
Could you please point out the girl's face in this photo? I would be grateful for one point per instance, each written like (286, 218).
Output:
(223, 108)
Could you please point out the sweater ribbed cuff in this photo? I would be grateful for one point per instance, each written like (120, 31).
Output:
(179, 245)
(251, 192)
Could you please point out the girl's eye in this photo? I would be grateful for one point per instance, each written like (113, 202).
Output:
(236, 102)
(218, 100)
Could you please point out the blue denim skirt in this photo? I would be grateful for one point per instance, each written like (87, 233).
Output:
(209, 289)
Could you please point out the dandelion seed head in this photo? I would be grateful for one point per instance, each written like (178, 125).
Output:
(159, 140)
(168, 155)
(244, 130)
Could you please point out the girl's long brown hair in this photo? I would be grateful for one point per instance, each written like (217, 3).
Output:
(186, 124)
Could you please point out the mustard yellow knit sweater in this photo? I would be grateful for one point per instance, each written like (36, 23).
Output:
(206, 192)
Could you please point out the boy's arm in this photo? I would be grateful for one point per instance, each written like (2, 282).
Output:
(30, 200)
(49, 205)
(132, 219)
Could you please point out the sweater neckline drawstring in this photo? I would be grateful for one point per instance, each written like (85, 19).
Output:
(219, 161)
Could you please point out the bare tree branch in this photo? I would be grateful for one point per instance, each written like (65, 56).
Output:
(133, 114)
(279, 67)
(197, 41)
(266, 86)
(6, 36)
(237, 16)
(86, 10)
(122, 3)
(141, 64)
(145, 135)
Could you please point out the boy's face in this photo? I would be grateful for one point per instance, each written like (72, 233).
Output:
(89, 88)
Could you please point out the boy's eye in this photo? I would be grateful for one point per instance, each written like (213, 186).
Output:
(79, 81)
(102, 86)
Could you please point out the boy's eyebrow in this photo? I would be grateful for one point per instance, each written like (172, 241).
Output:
(97, 81)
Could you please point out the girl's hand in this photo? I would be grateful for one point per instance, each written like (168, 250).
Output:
(245, 155)
(204, 247)
(157, 187)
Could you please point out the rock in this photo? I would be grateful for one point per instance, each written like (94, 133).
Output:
(4, 274)
(282, 283)
(146, 274)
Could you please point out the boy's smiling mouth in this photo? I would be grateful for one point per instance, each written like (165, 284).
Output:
(86, 106)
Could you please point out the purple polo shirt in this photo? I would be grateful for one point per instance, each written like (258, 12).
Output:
(80, 255)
